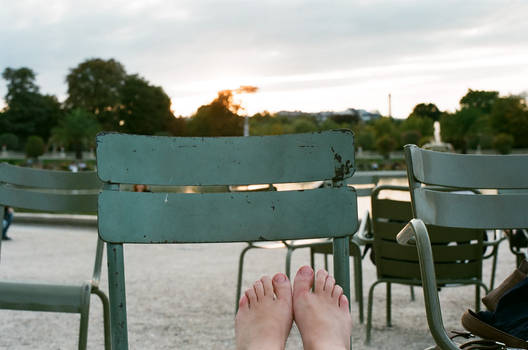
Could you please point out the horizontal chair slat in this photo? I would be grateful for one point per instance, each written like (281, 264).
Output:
(472, 211)
(42, 297)
(131, 217)
(39, 178)
(47, 201)
(469, 171)
(158, 160)
(395, 210)
(441, 253)
(448, 271)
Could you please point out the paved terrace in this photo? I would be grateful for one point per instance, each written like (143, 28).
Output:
(182, 296)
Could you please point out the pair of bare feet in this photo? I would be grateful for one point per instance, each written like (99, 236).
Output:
(267, 310)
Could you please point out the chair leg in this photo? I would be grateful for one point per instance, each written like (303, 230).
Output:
(288, 261)
(341, 248)
(312, 259)
(477, 298)
(85, 312)
(413, 297)
(106, 317)
(389, 302)
(494, 266)
(116, 284)
(326, 262)
(240, 272)
(369, 311)
(358, 280)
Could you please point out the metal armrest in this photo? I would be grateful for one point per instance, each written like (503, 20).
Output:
(416, 233)
(96, 276)
(364, 235)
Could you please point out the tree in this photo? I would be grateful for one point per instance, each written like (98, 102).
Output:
(144, 109)
(19, 81)
(77, 130)
(219, 118)
(480, 100)
(411, 137)
(509, 115)
(34, 147)
(423, 125)
(426, 110)
(95, 86)
(28, 112)
(385, 145)
(9, 140)
(503, 143)
(460, 127)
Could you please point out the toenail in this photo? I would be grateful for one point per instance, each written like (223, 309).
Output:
(306, 271)
(279, 278)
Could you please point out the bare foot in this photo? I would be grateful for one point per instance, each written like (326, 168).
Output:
(264, 318)
(322, 316)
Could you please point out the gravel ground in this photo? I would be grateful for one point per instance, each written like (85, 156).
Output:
(182, 296)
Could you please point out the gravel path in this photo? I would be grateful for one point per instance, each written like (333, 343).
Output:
(182, 296)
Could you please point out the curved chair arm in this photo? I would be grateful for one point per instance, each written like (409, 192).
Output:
(498, 237)
(415, 232)
(364, 233)
(96, 276)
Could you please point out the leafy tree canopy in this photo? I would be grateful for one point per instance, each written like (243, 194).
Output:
(77, 130)
(510, 115)
(28, 112)
(95, 86)
(479, 99)
(144, 109)
(219, 118)
(19, 81)
(426, 110)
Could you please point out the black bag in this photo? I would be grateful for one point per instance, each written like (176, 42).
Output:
(507, 323)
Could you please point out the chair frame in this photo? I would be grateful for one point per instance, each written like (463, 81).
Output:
(493, 211)
(400, 280)
(55, 191)
(127, 159)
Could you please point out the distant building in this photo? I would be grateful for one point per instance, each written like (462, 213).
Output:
(362, 114)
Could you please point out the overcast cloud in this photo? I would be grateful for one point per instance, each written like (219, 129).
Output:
(305, 55)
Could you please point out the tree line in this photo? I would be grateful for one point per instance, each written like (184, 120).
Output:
(102, 96)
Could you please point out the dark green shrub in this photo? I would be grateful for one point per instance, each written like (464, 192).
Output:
(34, 147)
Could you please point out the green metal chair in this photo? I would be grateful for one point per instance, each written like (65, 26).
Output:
(399, 264)
(451, 209)
(53, 191)
(153, 218)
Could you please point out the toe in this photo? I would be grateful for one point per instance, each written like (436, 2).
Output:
(337, 292)
(243, 303)
(259, 289)
(320, 280)
(268, 286)
(303, 281)
(252, 297)
(329, 285)
(282, 287)
(343, 303)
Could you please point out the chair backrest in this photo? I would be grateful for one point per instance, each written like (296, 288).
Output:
(457, 252)
(462, 171)
(48, 190)
(132, 217)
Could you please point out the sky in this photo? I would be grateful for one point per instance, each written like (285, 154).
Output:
(307, 55)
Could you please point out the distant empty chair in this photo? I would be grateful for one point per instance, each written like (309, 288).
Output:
(53, 191)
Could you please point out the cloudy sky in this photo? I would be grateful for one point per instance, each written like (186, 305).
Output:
(303, 55)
